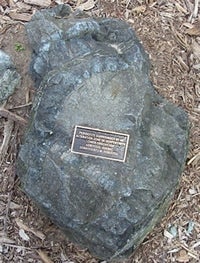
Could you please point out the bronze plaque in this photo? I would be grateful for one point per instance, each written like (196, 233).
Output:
(100, 143)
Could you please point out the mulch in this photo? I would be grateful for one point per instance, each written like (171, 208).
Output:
(170, 33)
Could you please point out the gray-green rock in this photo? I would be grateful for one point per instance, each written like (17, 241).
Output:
(94, 72)
(9, 78)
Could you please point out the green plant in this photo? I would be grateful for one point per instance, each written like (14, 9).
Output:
(19, 47)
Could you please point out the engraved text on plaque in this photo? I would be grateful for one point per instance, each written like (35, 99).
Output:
(100, 143)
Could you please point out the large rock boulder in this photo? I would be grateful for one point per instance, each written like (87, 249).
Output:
(93, 72)
(9, 78)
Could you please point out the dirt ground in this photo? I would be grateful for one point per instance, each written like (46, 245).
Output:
(170, 33)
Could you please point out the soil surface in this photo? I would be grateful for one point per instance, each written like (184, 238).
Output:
(170, 33)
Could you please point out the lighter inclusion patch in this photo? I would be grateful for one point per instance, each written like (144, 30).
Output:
(84, 105)
(156, 131)
(117, 48)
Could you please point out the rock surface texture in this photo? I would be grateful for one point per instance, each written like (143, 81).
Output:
(9, 78)
(94, 72)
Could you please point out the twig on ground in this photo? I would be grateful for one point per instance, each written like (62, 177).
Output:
(196, 7)
(16, 246)
(194, 13)
(6, 213)
(8, 128)
(195, 157)
(37, 233)
(21, 106)
(12, 116)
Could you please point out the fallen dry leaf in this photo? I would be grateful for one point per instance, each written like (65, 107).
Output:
(196, 49)
(139, 9)
(194, 30)
(25, 17)
(37, 233)
(44, 257)
(183, 256)
(42, 3)
(87, 5)
(59, 2)
(23, 235)
(14, 206)
(22, 7)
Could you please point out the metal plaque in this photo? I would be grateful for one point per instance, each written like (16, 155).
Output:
(100, 143)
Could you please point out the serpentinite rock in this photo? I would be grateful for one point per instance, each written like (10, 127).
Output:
(9, 78)
(93, 72)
